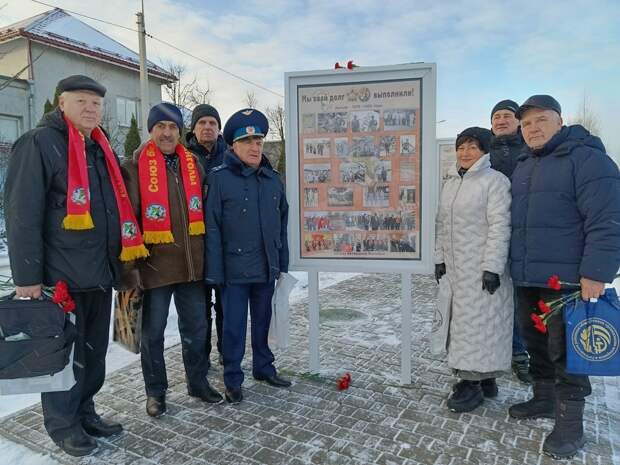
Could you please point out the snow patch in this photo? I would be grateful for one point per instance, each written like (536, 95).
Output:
(17, 454)
(118, 357)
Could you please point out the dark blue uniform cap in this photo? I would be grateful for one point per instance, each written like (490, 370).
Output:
(545, 102)
(245, 123)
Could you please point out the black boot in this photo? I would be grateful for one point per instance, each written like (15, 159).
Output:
(542, 405)
(156, 406)
(466, 396)
(206, 393)
(521, 367)
(78, 444)
(98, 427)
(275, 381)
(567, 436)
(489, 387)
(233, 395)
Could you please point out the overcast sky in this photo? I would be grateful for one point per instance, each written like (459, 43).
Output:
(485, 51)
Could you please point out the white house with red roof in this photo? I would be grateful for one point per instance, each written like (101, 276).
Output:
(39, 51)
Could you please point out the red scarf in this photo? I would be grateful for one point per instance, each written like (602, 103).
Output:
(154, 194)
(78, 193)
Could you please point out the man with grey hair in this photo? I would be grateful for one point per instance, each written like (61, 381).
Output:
(64, 211)
(565, 222)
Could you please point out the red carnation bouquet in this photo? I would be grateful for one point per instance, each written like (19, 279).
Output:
(59, 294)
(548, 309)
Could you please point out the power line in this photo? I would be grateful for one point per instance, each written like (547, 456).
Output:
(178, 49)
(16, 75)
(86, 16)
(214, 66)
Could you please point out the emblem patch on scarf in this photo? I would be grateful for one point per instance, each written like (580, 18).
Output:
(153, 181)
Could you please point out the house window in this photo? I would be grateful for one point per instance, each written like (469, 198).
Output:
(125, 108)
(9, 129)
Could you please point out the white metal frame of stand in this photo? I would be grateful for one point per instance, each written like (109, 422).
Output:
(426, 74)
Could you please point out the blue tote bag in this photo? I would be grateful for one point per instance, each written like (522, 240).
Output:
(592, 336)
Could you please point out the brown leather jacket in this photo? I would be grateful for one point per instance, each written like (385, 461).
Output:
(178, 262)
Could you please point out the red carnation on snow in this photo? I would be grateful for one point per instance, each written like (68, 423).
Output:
(343, 382)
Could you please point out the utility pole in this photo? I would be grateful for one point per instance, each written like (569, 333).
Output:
(144, 79)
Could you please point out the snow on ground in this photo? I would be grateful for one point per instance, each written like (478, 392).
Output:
(117, 358)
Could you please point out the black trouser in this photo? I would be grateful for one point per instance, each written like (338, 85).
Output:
(63, 411)
(215, 302)
(189, 299)
(548, 351)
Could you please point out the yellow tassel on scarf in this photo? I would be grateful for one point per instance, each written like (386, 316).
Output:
(132, 253)
(196, 228)
(78, 222)
(158, 237)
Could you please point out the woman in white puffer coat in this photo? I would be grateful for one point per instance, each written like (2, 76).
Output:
(471, 252)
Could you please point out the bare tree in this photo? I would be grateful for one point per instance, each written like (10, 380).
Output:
(586, 116)
(185, 92)
(250, 100)
(275, 115)
(116, 136)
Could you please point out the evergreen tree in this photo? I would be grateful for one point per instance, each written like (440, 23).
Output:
(132, 142)
(56, 95)
(51, 106)
(48, 106)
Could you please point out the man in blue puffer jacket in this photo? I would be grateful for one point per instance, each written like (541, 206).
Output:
(565, 222)
(247, 246)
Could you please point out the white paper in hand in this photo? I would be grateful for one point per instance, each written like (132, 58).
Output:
(279, 305)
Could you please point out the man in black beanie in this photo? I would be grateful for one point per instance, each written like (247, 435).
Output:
(506, 145)
(206, 142)
(204, 138)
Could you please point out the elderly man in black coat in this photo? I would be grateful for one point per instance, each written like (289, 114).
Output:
(43, 249)
(247, 246)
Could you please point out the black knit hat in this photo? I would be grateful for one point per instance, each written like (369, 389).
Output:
(482, 135)
(510, 105)
(202, 110)
(164, 111)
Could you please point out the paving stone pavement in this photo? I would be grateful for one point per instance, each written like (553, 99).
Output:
(376, 421)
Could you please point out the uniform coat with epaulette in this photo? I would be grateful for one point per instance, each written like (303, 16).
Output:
(247, 249)
(247, 215)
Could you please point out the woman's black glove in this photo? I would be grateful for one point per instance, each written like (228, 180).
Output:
(440, 270)
(490, 282)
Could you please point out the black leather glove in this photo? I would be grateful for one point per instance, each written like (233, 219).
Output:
(440, 270)
(490, 282)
